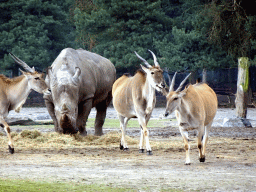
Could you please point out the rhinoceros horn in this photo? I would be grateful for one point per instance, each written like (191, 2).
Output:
(64, 108)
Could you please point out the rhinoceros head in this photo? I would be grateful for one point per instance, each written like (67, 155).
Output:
(65, 94)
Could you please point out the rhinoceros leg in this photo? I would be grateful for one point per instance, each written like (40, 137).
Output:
(101, 114)
(50, 107)
(84, 109)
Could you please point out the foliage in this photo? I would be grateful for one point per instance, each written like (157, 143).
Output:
(118, 28)
(186, 47)
(34, 30)
(190, 51)
(177, 31)
(115, 29)
(231, 25)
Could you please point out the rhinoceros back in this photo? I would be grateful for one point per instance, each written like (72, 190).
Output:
(97, 73)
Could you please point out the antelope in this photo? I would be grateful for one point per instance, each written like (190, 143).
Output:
(195, 108)
(14, 92)
(134, 97)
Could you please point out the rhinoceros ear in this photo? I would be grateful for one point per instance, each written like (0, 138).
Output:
(76, 76)
(52, 78)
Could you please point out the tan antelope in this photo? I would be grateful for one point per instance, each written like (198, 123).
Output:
(14, 92)
(134, 97)
(195, 108)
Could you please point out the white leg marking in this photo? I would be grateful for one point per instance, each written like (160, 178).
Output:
(184, 134)
(142, 140)
(123, 124)
(205, 138)
(145, 133)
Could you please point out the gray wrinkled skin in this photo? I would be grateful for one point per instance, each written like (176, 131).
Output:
(79, 80)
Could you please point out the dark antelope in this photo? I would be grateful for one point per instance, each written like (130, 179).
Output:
(14, 92)
(135, 97)
(195, 108)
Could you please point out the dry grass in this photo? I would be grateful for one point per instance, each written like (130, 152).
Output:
(233, 148)
(34, 138)
(31, 139)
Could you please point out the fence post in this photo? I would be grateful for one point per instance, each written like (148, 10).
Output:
(242, 87)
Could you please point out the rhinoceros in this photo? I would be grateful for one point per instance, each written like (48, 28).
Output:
(79, 80)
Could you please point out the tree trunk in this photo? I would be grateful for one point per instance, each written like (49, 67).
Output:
(204, 80)
(242, 87)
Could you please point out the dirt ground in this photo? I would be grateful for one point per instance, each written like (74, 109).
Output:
(230, 162)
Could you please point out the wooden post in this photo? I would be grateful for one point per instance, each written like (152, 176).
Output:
(242, 87)
(204, 80)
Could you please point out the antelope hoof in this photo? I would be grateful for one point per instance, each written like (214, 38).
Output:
(202, 159)
(121, 147)
(187, 163)
(141, 150)
(149, 153)
(126, 149)
(11, 150)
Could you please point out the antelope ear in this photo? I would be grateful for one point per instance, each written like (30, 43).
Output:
(22, 71)
(27, 75)
(182, 93)
(146, 70)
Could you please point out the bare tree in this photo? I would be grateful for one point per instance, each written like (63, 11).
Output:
(231, 28)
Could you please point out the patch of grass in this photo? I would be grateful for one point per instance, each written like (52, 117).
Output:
(114, 123)
(8, 185)
(30, 134)
(109, 123)
(114, 138)
(34, 138)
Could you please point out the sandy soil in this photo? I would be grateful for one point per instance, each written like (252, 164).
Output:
(230, 162)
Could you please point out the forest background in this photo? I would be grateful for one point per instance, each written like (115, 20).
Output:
(179, 32)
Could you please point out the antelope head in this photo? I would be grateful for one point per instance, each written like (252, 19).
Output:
(35, 79)
(154, 73)
(174, 97)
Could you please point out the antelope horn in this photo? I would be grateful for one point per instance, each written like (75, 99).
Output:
(181, 84)
(22, 63)
(155, 60)
(171, 83)
(146, 63)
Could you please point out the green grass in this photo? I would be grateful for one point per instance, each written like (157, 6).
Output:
(14, 185)
(114, 123)
(110, 123)
(18, 185)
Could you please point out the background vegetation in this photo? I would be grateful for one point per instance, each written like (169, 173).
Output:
(180, 32)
